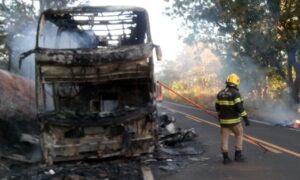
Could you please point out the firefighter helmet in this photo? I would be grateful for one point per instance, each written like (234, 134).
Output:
(233, 78)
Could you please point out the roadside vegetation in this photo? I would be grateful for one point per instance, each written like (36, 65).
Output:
(258, 40)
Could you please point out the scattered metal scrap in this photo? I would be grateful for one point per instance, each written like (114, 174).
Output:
(175, 147)
(170, 135)
(26, 149)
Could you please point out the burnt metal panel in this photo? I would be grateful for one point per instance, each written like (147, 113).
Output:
(96, 73)
(132, 137)
(93, 56)
(91, 119)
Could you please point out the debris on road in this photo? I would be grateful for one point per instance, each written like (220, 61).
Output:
(169, 167)
(175, 147)
(296, 124)
(32, 139)
(181, 150)
(170, 135)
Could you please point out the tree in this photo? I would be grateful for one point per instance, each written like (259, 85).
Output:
(3, 51)
(17, 17)
(18, 21)
(46, 4)
(287, 15)
(264, 33)
(194, 74)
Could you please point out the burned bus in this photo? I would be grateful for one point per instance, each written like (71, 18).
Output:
(95, 86)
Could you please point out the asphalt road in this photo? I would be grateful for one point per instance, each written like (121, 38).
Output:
(274, 153)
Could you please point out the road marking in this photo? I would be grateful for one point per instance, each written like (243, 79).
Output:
(183, 105)
(195, 108)
(261, 122)
(147, 173)
(199, 120)
(246, 139)
(269, 146)
(274, 146)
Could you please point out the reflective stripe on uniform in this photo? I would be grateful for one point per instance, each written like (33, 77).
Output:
(229, 103)
(244, 113)
(226, 103)
(237, 100)
(230, 121)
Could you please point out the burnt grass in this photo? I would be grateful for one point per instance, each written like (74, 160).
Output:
(83, 170)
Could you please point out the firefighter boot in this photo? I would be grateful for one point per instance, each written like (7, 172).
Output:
(239, 157)
(226, 159)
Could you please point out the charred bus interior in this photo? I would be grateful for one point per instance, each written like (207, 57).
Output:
(94, 27)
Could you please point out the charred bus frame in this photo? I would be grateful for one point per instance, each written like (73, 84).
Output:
(95, 86)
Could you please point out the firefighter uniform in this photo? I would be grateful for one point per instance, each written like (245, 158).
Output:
(229, 106)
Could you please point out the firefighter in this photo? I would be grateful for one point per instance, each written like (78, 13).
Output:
(230, 110)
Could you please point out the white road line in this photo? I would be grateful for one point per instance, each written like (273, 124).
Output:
(272, 147)
(183, 105)
(261, 122)
(147, 173)
(191, 107)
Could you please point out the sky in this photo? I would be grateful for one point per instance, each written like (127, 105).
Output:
(163, 29)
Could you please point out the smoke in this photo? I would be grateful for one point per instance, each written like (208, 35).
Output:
(22, 41)
(261, 99)
(54, 38)
(22, 38)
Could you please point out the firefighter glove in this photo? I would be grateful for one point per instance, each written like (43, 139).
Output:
(247, 122)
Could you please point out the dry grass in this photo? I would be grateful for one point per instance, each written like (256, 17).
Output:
(17, 95)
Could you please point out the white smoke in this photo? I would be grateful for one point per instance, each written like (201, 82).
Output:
(23, 41)
(262, 101)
